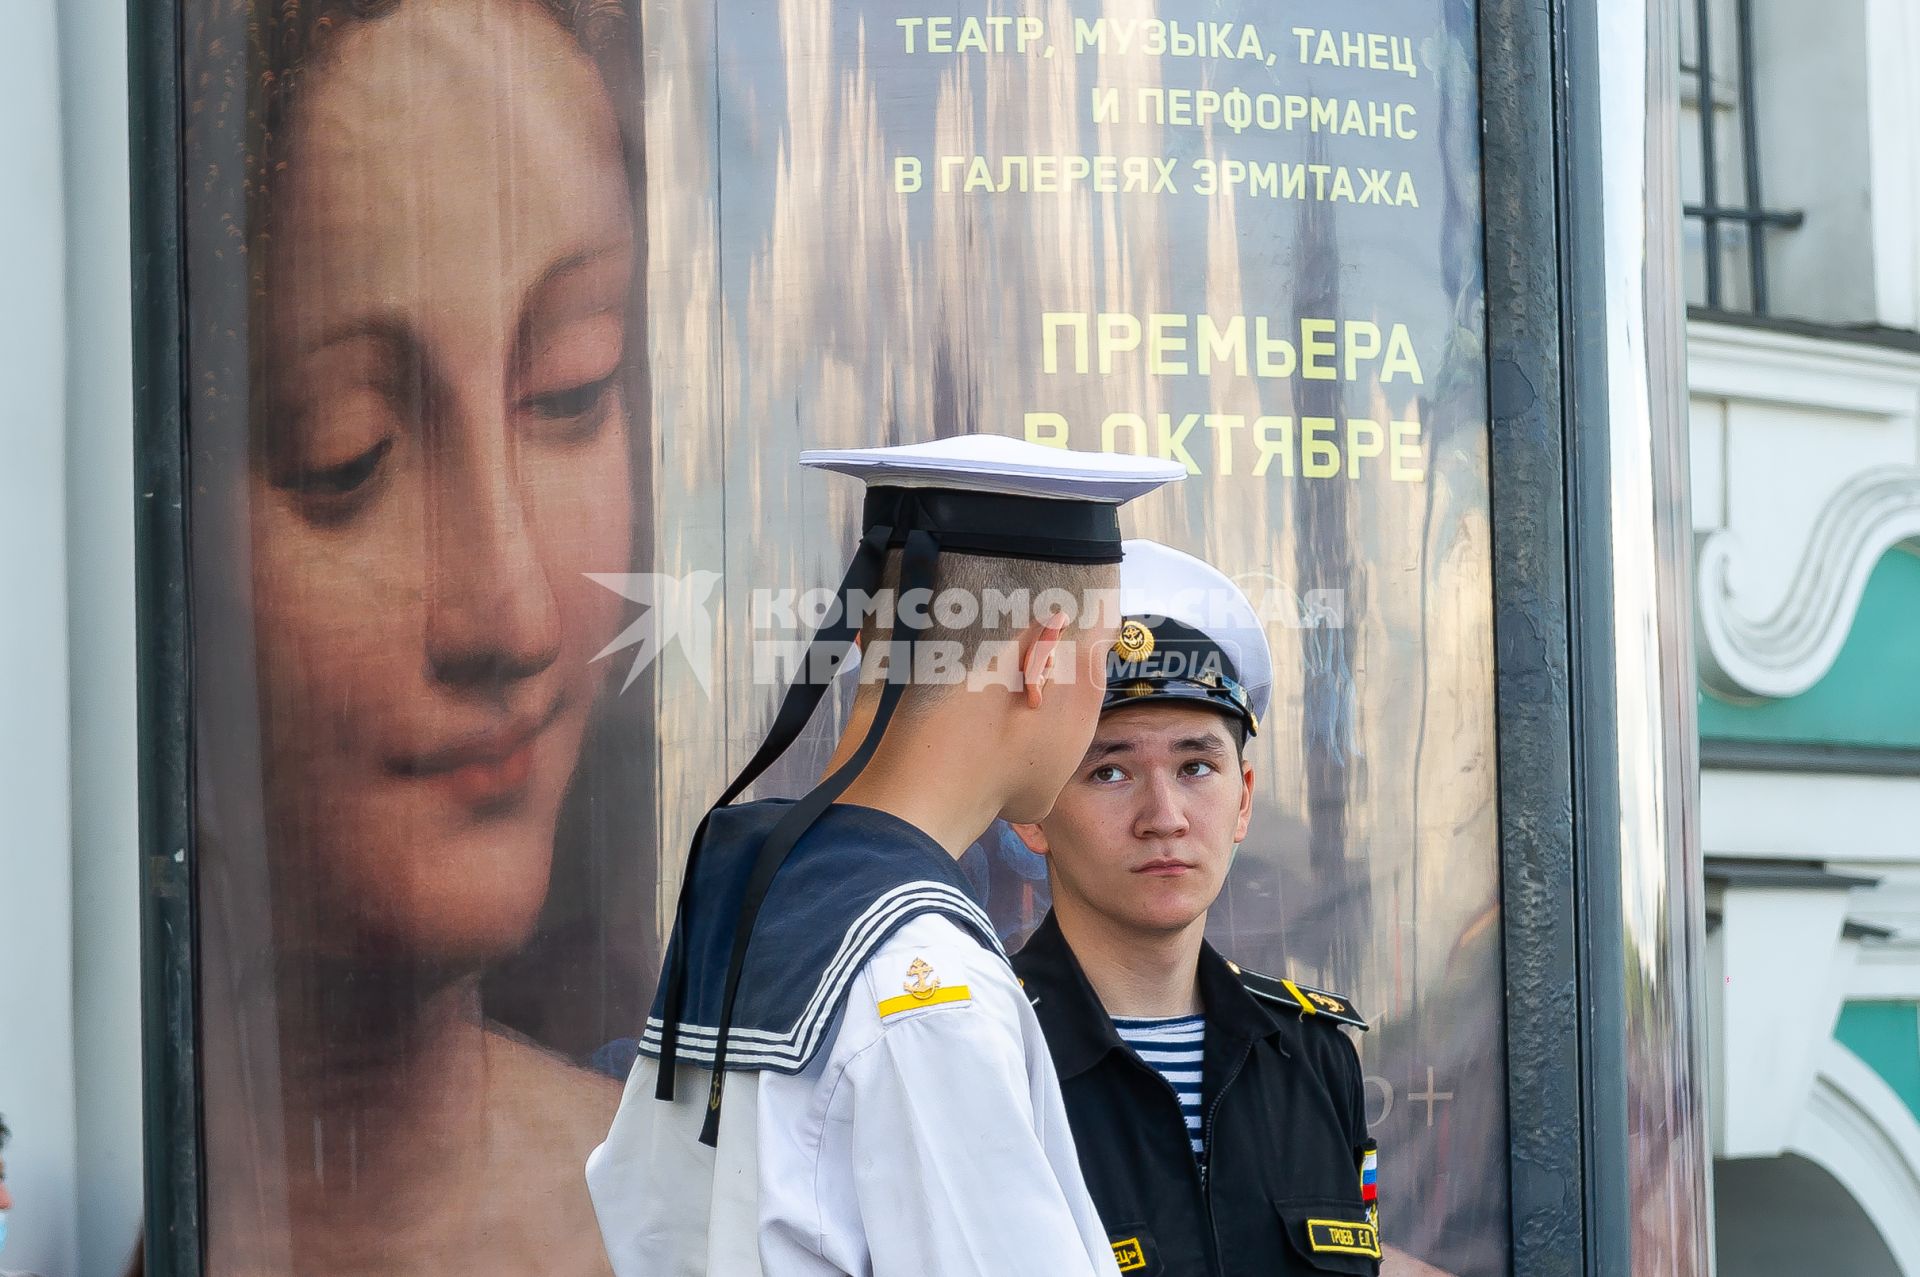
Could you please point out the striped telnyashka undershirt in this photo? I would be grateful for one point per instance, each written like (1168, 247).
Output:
(1174, 1049)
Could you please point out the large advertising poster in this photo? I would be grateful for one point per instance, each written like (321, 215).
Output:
(506, 323)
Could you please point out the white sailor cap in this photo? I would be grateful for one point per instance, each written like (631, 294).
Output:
(987, 494)
(1190, 635)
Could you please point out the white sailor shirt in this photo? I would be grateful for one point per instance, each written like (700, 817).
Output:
(925, 1138)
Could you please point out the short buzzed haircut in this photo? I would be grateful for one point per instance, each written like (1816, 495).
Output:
(1006, 595)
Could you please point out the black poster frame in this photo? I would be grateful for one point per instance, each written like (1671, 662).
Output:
(163, 645)
(1527, 352)
(1562, 937)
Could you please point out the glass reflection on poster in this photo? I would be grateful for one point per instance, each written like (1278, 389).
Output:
(507, 320)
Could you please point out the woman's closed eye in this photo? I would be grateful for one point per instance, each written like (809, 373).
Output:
(581, 404)
(568, 373)
(352, 402)
(343, 478)
(331, 456)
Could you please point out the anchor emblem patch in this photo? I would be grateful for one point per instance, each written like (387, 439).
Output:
(921, 982)
(923, 989)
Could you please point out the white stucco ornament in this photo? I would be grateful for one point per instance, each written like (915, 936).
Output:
(1788, 651)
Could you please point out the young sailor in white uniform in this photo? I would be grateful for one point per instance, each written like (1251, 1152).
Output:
(891, 1107)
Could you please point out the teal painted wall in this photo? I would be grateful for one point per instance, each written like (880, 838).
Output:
(1871, 696)
(1887, 1036)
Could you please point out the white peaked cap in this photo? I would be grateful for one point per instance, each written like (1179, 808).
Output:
(1159, 581)
(997, 464)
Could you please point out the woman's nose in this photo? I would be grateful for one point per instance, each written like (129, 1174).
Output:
(492, 614)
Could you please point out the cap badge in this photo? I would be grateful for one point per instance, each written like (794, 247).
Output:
(1135, 643)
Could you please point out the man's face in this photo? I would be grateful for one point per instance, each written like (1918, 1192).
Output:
(1143, 833)
(6, 1198)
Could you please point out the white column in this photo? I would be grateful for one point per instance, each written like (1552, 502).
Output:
(36, 882)
(100, 616)
(1783, 967)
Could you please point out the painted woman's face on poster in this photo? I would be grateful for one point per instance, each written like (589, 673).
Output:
(397, 513)
(443, 458)
(506, 322)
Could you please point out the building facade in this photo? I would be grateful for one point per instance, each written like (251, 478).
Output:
(1803, 255)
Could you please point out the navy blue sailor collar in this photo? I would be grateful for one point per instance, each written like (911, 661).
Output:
(854, 878)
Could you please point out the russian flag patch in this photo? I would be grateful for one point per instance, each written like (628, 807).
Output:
(1370, 1180)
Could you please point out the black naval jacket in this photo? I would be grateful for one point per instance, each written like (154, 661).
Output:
(1284, 1122)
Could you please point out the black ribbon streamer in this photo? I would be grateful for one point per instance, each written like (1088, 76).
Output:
(803, 695)
(916, 573)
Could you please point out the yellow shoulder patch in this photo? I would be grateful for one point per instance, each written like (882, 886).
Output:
(907, 1002)
(923, 989)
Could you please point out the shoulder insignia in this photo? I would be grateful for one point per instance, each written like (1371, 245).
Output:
(1308, 1001)
(923, 989)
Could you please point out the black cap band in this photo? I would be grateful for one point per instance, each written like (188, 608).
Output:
(1043, 529)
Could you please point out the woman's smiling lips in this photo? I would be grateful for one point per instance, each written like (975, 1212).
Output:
(1165, 867)
(485, 768)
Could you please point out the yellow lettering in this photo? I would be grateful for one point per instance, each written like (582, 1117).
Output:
(1400, 357)
(1313, 347)
(1133, 424)
(1406, 462)
(1049, 428)
(1362, 341)
(1319, 456)
(1364, 439)
(1273, 437)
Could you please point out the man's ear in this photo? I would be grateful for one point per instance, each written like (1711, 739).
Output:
(1246, 799)
(1036, 664)
(1032, 835)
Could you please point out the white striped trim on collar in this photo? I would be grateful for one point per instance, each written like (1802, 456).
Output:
(852, 951)
(792, 1049)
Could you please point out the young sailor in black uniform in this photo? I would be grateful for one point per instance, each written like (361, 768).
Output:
(890, 1107)
(1218, 1113)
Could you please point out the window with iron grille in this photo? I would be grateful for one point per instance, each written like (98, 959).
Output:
(1727, 222)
